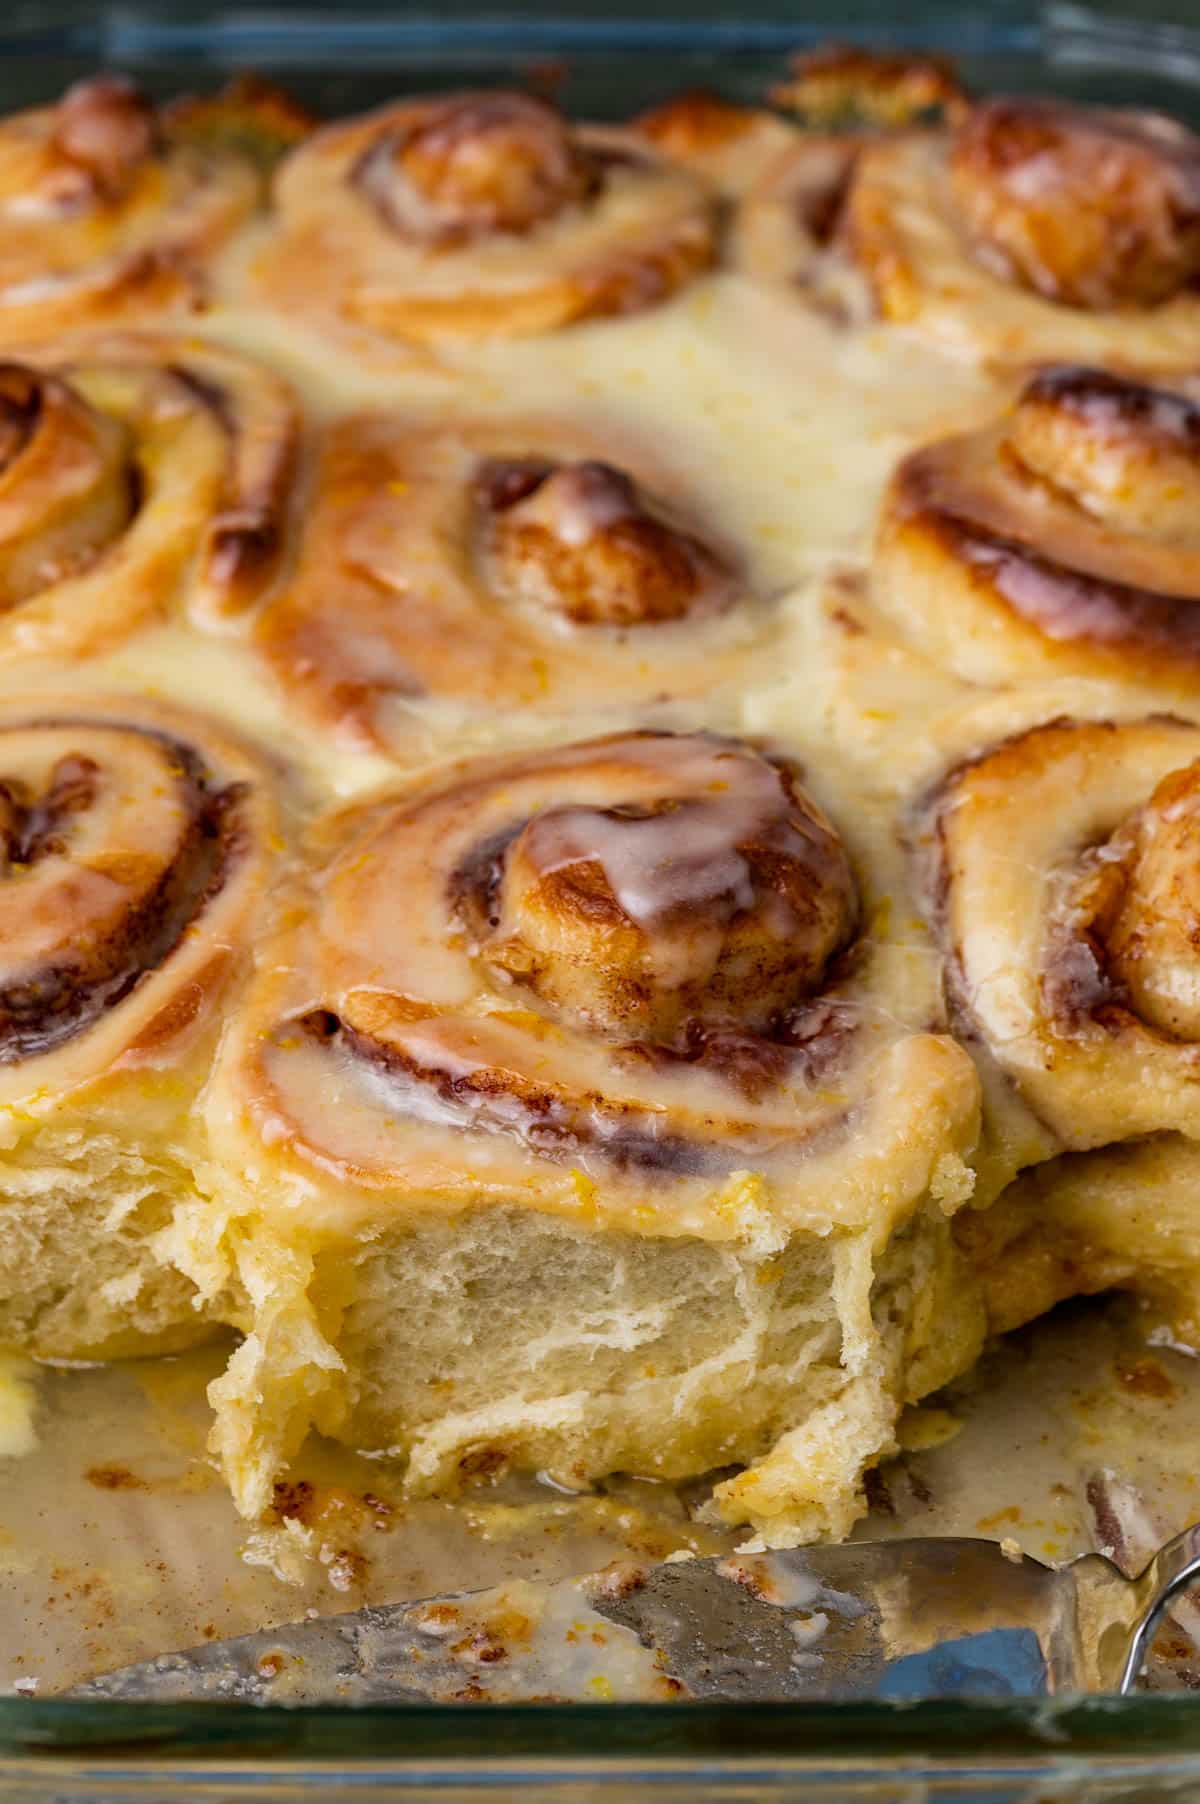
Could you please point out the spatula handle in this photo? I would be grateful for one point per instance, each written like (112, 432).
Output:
(1174, 1567)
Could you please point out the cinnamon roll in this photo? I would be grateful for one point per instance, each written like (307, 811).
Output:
(788, 185)
(1036, 230)
(111, 211)
(487, 565)
(783, 190)
(137, 475)
(1061, 538)
(1061, 872)
(481, 215)
(136, 844)
(623, 1144)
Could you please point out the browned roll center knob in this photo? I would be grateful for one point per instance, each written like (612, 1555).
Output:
(722, 901)
(1091, 209)
(584, 541)
(480, 164)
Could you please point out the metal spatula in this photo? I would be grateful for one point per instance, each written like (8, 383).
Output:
(881, 1619)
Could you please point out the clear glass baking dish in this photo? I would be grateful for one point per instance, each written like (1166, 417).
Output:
(602, 64)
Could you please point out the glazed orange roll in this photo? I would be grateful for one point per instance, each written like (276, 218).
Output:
(1060, 870)
(480, 215)
(534, 563)
(137, 475)
(1061, 874)
(110, 211)
(1036, 229)
(135, 848)
(624, 1143)
(1061, 538)
(788, 171)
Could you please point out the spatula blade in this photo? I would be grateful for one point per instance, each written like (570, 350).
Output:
(901, 1619)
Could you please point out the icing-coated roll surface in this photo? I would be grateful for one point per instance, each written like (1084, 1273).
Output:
(109, 215)
(533, 562)
(481, 215)
(137, 845)
(1061, 873)
(1060, 539)
(629, 994)
(1036, 230)
(138, 476)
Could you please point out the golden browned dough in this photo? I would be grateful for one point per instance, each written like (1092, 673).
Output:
(108, 213)
(1062, 538)
(480, 215)
(626, 1019)
(1036, 230)
(135, 847)
(139, 476)
(536, 561)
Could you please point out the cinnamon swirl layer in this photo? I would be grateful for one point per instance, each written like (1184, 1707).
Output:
(528, 563)
(627, 992)
(789, 231)
(1061, 538)
(138, 475)
(136, 845)
(481, 215)
(1061, 871)
(110, 212)
(1036, 230)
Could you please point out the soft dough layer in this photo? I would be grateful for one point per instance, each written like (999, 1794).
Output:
(502, 1338)
(623, 1146)
(136, 845)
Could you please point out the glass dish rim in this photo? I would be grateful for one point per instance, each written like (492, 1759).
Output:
(96, 1740)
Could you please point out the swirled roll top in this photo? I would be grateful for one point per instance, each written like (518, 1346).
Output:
(1065, 883)
(1136, 898)
(111, 840)
(540, 562)
(65, 486)
(1091, 209)
(86, 153)
(1034, 229)
(640, 952)
(133, 841)
(1063, 536)
(479, 164)
(481, 214)
(584, 541)
(137, 475)
(1125, 452)
(714, 892)
(107, 212)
